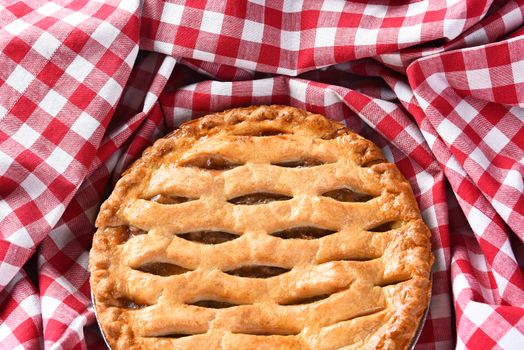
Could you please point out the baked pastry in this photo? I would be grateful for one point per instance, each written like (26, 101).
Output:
(265, 227)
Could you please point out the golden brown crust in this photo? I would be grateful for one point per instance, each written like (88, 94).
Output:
(344, 252)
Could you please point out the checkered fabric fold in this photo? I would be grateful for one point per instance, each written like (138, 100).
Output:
(86, 86)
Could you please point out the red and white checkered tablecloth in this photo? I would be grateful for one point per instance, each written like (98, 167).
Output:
(85, 86)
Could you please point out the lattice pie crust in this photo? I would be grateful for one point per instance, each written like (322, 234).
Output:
(265, 227)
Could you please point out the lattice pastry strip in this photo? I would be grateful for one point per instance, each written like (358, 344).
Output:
(342, 245)
(263, 227)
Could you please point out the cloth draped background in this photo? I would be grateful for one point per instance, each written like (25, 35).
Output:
(86, 86)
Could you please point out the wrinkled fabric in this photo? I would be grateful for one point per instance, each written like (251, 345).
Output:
(86, 86)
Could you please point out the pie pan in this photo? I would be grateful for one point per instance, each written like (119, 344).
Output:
(276, 227)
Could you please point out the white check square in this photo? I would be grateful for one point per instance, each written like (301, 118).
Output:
(163, 47)
(502, 209)
(453, 27)
(5, 209)
(26, 136)
(496, 140)
(478, 156)
(298, 89)
(212, 22)
(129, 6)
(518, 71)
(466, 111)
(203, 55)
(50, 304)
(85, 125)
(512, 340)
(331, 97)
(54, 215)
(448, 131)
(365, 36)
(417, 8)
(437, 82)
(130, 59)
(479, 78)
(333, 5)
(290, 40)
(293, 6)
(48, 9)
(430, 217)
(79, 68)
(111, 91)
(502, 281)
(22, 238)
(105, 34)
(61, 235)
(376, 10)
(17, 26)
(253, 31)
(75, 18)
(222, 88)
(5, 163)
(172, 13)
(59, 160)
(8, 272)
(31, 304)
(52, 103)
(514, 179)
(409, 34)
(33, 186)
(262, 87)
(250, 65)
(19, 79)
(325, 37)
(479, 222)
(46, 45)
(476, 38)
(424, 181)
(477, 312)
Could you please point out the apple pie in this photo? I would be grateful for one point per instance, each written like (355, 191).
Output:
(265, 227)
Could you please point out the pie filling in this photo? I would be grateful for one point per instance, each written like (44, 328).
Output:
(387, 226)
(258, 198)
(300, 163)
(303, 233)
(347, 195)
(306, 300)
(129, 304)
(258, 271)
(208, 237)
(213, 304)
(168, 199)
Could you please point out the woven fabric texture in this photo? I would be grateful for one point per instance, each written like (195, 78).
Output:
(86, 86)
